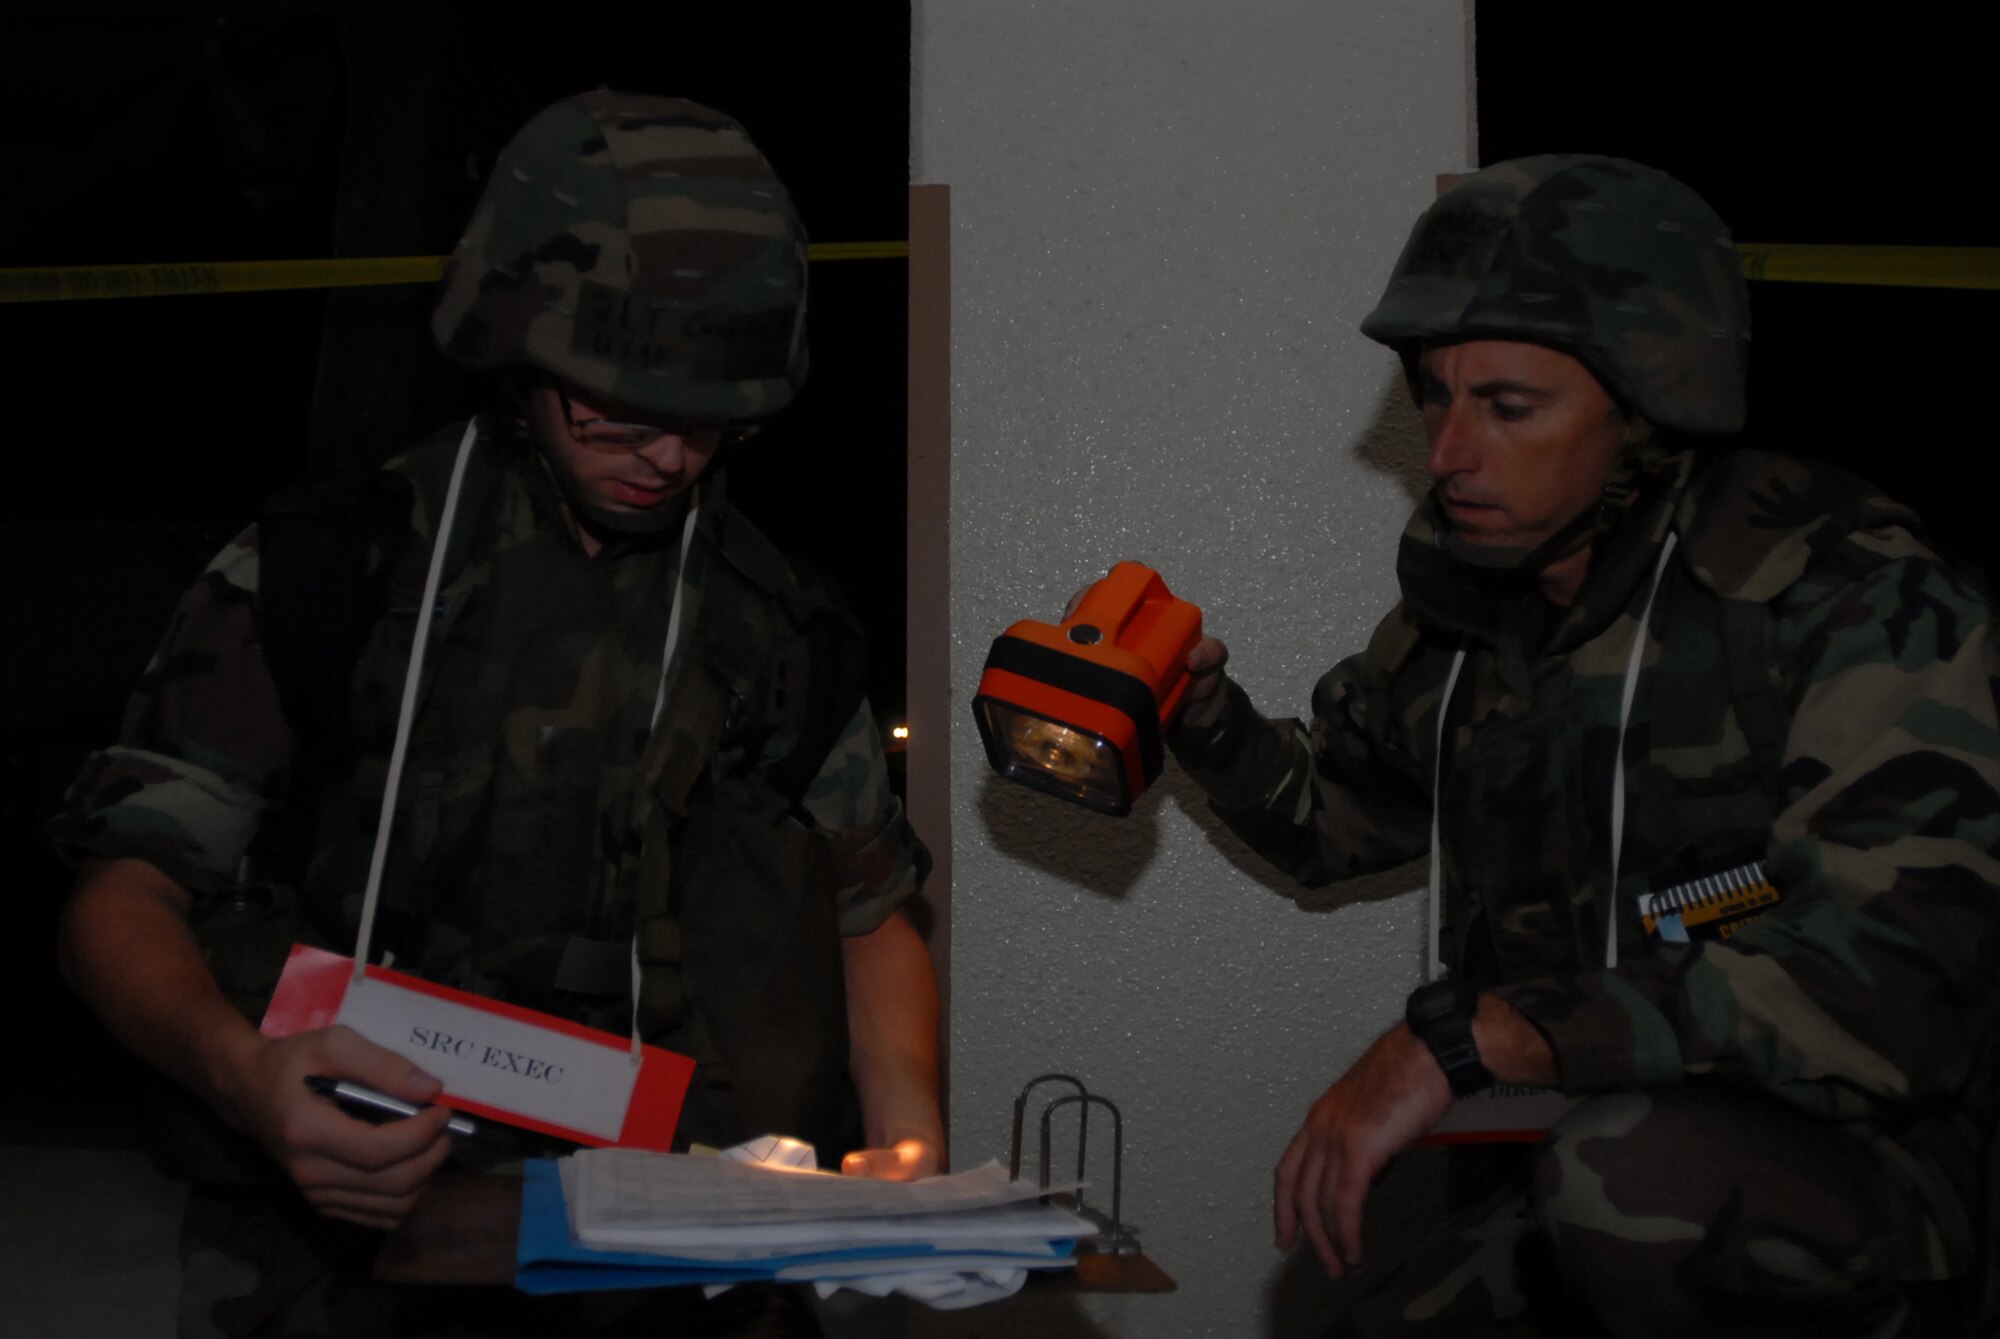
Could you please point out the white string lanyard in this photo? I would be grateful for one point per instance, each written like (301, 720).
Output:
(1633, 661)
(1435, 969)
(393, 785)
(406, 717)
(659, 704)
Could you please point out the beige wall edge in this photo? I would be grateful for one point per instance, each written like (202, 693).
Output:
(928, 772)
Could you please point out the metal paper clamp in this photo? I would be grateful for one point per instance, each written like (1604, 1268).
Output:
(1118, 1239)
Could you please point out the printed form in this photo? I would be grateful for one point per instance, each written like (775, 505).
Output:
(635, 1198)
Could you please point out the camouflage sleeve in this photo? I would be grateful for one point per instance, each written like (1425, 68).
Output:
(1322, 804)
(1878, 973)
(881, 861)
(203, 749)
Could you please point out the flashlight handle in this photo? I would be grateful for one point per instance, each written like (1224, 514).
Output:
(1117, 598)
(1133, 610)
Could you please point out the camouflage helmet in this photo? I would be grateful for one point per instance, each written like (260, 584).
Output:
(640, 247)
(1613, 262)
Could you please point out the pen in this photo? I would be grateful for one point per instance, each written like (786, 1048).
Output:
(367, 1099)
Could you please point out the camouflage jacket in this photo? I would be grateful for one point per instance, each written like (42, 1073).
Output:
(543, 820)
(1871, 989)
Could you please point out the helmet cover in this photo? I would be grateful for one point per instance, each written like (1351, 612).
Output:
(1613, 262)
(640, 247)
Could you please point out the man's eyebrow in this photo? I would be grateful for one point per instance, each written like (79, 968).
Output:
(1492, 388)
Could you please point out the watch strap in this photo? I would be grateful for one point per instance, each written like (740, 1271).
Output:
(1440, 1014)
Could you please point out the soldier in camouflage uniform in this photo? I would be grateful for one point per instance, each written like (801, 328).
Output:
(640, 734)
(1629, 660)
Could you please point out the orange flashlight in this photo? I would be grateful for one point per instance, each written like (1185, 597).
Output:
(1076, 708)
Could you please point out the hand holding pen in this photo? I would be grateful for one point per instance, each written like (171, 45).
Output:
(366, 1101)
(346, 1168)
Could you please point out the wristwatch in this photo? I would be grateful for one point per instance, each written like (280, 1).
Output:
(1441, 1015)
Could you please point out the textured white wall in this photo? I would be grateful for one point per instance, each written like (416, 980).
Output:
(1168, 217)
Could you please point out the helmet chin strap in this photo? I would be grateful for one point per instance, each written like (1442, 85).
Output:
(1576, 533)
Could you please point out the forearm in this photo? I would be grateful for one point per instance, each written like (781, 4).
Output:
(892, 1023)
(1322, 805)
(129, 951)
(1258, 775)
(1512, 1049)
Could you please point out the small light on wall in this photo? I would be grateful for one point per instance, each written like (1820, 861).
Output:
(900, 732)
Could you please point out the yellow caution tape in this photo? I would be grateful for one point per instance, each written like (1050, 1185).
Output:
(1897, 266)
(69, 283)
(72, 283)
(857, 250)
(1778, 262)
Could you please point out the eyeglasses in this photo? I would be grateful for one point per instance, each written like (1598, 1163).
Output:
(606, 434)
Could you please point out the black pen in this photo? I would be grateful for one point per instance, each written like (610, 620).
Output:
(367, 1099)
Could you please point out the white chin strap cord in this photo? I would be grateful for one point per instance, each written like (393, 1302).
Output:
(406, 717)
(1633, 661)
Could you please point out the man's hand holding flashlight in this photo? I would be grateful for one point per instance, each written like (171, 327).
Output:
(1205, 664)
(1205, 701)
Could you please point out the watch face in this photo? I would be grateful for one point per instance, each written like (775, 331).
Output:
(1440, 1000)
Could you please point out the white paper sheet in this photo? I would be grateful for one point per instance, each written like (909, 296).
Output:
(616, 1190)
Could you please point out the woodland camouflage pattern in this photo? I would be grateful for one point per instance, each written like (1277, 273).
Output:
(640, 247)
(189, 783)
(543, 823)
(1776, 1221)
(1870, 995)
(1609, 260)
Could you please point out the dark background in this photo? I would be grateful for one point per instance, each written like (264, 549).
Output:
(1801, 126)
(145, 432)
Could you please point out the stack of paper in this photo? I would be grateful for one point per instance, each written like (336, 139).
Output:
(626, 1218)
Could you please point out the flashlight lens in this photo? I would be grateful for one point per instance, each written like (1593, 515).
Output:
(1055, 757)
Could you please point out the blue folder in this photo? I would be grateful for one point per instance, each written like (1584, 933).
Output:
(548, 1259)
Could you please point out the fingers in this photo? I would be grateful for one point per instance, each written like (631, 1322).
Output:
(1207, 654)
(877, 1163)
(1384, 1103)
(1324, 1198)
(363, 1175)
(1204, 663)
(308, 1126)
(326, 1178)
(1349, 1190)
(346, 1167)
(906, 1160)
(381, 1200)
(1284, 1191)
(368, 1148)
(1317, 1192)
(364, 1218)
(1307, 1201)
(363, 1061)
(1315, 1181)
